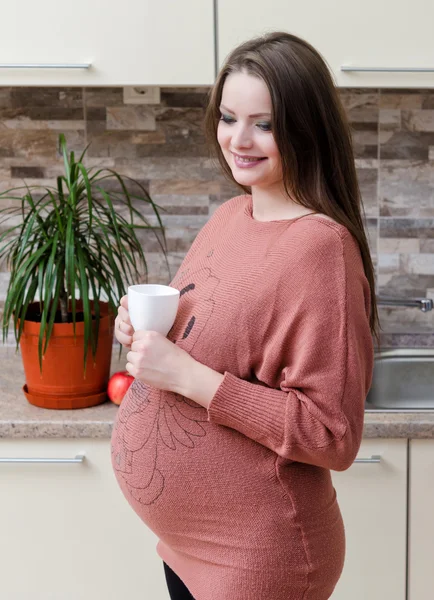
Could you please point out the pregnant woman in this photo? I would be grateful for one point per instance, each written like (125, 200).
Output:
(224, 442)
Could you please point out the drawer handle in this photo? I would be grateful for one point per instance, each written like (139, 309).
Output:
(79, 458)
(389, 69)
(45, 65)
(375, 458)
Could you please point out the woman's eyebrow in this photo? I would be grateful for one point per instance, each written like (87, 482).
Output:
(265, 114)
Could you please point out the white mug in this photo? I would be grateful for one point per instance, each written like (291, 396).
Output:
(152, 307)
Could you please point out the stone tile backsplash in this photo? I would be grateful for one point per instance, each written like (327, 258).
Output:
(163, 147)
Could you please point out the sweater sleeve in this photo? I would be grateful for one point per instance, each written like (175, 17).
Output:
(322, 351)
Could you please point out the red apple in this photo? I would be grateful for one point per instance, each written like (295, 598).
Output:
(118, 386)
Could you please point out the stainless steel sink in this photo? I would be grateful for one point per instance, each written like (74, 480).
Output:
(403, 381)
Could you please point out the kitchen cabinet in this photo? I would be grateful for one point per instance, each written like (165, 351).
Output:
(370, 34)
(373, 500)
(129, 43)
(421, 521)
(67, 531)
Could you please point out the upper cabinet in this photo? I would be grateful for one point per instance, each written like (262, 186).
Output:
(132, 42)
(391, 42)
(168, 42)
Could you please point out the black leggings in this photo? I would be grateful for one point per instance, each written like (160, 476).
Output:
(177, 589)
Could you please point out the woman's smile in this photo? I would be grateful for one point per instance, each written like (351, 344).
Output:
(247, 162)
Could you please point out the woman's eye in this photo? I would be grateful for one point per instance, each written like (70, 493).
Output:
(264, 126)
(227, 119)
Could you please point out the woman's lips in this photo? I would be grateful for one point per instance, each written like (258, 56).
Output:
(247, 162)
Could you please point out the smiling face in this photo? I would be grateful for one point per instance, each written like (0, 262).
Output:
(244, 132)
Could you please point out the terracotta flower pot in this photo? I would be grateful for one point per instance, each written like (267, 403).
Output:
(62, 384)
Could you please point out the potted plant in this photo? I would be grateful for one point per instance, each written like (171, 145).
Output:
(69, 253)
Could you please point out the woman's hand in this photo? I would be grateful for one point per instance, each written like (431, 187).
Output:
(158, 362)
(123, 328)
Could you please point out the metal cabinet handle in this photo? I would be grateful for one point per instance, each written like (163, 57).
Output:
(45, 65)
(389, 69)
(79, 458)
(375, 458)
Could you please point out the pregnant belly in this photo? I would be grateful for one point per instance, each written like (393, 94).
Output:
(154, 436)
(208, 491)
(171, 463)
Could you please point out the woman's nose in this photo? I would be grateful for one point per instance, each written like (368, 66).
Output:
(241, 137)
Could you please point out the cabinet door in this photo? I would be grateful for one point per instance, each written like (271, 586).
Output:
(373, 501)
(371, 34)
(146, 42)
(421, 525)
(67, 531)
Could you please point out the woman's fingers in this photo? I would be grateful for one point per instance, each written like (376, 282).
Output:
(124, 315)
(126, 341)
(123, 338)
(125, 328)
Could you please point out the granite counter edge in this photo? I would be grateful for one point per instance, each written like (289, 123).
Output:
(380, 425)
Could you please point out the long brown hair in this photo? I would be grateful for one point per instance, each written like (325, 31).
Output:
(311, 131)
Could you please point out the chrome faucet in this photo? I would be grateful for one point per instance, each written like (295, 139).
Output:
(424, 304)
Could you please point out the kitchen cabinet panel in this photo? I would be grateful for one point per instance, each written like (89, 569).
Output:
(373, 501)
(128, 43)
(421, 525)
(67, 531)
(368, 34)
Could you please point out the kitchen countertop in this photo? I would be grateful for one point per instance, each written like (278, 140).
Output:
(19, 419)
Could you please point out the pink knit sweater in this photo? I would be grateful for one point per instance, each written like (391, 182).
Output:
(241, 495)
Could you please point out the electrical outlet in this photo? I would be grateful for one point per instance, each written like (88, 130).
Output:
(141, 95)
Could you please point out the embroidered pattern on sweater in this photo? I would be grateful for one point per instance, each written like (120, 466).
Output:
(148, 417)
